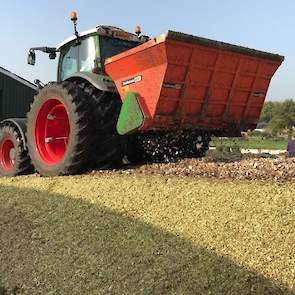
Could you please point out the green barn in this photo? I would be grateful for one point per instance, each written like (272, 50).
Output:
(16, 95)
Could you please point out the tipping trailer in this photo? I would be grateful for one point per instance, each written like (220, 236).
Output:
(117, 93)
(183, 81)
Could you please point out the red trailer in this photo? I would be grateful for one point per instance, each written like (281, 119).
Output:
(184, 81)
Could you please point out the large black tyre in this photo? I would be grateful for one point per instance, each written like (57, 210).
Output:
(60, 129)
(134, 150)
(14, 158)
(107, 150)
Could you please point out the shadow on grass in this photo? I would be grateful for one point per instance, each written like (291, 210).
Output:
(51, 244)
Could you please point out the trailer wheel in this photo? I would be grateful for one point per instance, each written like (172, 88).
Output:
(60, 130)
(200, 145)
(14, 159)
(107, 149)
(134, 150)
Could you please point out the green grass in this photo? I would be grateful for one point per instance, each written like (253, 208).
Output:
(252, 143)
(130, 234)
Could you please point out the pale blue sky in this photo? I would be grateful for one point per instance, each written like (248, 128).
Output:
(265, 24)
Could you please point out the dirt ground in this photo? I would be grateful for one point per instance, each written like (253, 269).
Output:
(253, 167)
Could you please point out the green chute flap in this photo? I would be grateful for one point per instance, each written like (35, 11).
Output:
(131, 117)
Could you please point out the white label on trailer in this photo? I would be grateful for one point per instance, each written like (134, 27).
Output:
(132, 80)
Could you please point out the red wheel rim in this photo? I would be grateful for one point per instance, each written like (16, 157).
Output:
(7, 153)
(52, 131)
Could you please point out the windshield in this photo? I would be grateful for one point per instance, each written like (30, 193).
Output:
(112, 46)
(69, 62)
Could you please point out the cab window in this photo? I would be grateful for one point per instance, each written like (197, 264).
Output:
(69, 64)
(112, 46)
(87, 54)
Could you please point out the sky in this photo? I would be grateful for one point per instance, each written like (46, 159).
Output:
(265, 25)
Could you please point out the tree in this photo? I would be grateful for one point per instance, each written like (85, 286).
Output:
(267, 112)
(283, 116)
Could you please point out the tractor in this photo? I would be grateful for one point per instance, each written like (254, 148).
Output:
(120, 94)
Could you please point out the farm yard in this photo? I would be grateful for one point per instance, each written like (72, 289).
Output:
(177, 228)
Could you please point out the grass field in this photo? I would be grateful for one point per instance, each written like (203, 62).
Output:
(131, 234)
(252, 143)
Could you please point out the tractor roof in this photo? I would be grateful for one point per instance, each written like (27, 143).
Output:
(106, 31)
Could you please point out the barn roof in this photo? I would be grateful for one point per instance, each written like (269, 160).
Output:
(17, 78)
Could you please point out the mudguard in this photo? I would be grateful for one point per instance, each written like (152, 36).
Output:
(102, 82)
(21, 125)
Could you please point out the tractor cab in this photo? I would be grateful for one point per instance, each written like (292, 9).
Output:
(88, 52)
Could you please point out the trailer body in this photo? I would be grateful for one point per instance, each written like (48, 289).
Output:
(183, 81)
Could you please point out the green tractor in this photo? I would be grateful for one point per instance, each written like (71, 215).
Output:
(71, 125)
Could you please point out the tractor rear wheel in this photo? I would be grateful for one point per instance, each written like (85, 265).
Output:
(59, 130)
(14, 159)
(107, 151)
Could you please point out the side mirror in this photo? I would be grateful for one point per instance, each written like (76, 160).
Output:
(31, 58)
